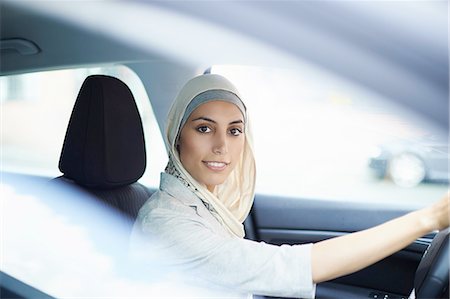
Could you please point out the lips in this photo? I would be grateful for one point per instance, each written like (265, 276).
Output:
(215, 165)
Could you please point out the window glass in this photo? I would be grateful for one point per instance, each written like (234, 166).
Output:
(320, 136)
(35, 111)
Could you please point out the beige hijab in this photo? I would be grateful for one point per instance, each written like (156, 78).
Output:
(232, 200)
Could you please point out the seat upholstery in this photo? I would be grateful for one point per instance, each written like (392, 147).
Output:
(104, 148)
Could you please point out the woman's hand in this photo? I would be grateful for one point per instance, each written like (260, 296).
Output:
(344, 255)
(437, 216)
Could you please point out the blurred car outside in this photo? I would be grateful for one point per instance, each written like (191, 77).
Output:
(411, 162)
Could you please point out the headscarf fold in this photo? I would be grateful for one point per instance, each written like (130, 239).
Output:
(231, 201)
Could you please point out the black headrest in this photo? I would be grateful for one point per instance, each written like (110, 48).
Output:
(104, 145)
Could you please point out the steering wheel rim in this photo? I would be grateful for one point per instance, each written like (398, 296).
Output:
(432, 275)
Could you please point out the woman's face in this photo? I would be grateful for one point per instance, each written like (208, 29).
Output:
(211, 142)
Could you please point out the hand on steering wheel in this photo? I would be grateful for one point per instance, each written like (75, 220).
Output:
(432, 275)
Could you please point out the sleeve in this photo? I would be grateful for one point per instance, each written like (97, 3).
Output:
(242, 265)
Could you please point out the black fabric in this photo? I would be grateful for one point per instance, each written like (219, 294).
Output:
(104, 145)
(126, 199)
(104, 149)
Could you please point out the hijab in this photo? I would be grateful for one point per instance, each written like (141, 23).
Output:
(232, 200)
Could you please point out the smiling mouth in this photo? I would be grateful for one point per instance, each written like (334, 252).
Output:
(216, 166)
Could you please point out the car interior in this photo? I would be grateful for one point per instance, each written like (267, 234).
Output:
(106, 128)
(105, 150)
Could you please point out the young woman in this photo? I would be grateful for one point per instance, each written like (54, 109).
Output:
(207, 191)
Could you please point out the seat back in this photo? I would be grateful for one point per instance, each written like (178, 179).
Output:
(104, 148)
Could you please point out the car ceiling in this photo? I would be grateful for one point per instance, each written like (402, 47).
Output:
(397, 49)
(61, 44)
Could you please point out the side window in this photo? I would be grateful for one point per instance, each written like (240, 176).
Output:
(35, 112)
(320, 136)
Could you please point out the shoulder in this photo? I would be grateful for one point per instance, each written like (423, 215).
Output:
(163, 205)
(172, 197)
(176, 208)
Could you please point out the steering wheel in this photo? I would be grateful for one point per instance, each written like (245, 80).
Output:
(431, 280)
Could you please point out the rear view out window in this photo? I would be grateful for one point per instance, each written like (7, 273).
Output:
(35, 111)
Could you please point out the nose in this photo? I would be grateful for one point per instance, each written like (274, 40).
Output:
(220, 144)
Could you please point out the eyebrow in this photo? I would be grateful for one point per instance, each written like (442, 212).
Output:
(239, 121)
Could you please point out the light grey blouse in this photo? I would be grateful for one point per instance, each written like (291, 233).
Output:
(183, 226)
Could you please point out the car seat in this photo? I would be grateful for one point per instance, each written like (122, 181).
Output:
(104, 148)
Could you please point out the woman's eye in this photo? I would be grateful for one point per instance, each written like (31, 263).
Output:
(235, 131)
(204, 129)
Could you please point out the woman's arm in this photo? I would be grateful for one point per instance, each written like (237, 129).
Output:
(347, 254)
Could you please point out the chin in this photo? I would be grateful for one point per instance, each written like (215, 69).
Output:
(214, 183)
